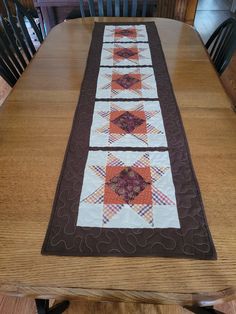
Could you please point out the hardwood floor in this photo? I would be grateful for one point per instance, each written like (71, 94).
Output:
(209, 15)
(207, 21)
(26, 306)
(214, 5)
(4, 90)
(11, 305)
(123, 308)
(228, 79)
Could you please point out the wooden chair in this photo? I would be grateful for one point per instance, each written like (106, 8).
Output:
(222, 44)
(12, 60)
(17, 48)
(22, 13)
(111, 8)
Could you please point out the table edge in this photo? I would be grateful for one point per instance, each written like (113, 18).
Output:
(117, 295)
(203, 298)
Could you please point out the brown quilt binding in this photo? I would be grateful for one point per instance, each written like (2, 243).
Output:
(192, 240)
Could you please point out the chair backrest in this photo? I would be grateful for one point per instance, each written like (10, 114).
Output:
(222, 44)
(17, 48)
(19, 27)
(113, 8)
(12, 61)
(22, 13)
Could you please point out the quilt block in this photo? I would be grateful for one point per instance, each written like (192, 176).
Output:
(125, 33)
(127, 124)
(125, 54)
(133, 190)
(126, 83)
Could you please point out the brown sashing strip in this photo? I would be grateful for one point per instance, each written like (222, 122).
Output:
(192, 240)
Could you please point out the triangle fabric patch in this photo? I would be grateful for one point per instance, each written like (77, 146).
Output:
(160, 198)
(109, 211)
(144, 211)
(97, 197)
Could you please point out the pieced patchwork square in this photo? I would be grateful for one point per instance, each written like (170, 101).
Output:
(125, 54)
(125, 33)
(126, 83)
(127, 124)
(133, 190)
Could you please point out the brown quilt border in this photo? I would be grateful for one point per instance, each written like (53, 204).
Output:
(63, 237)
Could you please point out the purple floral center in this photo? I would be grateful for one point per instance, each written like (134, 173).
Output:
(124, 32)
(126, 53)
(126, 81)
(128, 122)
(127, 184)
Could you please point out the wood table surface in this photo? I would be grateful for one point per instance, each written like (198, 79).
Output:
(35, 123)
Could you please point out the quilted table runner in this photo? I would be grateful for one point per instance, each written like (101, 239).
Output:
(127, 185)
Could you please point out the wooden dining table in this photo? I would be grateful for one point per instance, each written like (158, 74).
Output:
(35, 122)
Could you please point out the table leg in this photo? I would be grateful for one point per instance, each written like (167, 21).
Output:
(43, 307)
(202, 310)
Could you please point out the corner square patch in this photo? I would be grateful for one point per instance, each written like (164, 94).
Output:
(125, 33)
(127, 124)
(126, 83)
(133, 190)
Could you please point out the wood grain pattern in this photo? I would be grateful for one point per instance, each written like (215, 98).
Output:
(127, 296)
(14, 305)
(35, 122)
(180, 9)
(4, 90)
(228, 79)
(123, 308)
(10, 305)
(191, 11)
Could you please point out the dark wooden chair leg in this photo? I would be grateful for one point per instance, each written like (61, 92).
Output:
(43, 307)
(202, 310)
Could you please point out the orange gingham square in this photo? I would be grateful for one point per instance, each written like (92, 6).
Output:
(132, 32)
(132, 57)
(144, 197)
(141, 129)
(116, 86)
